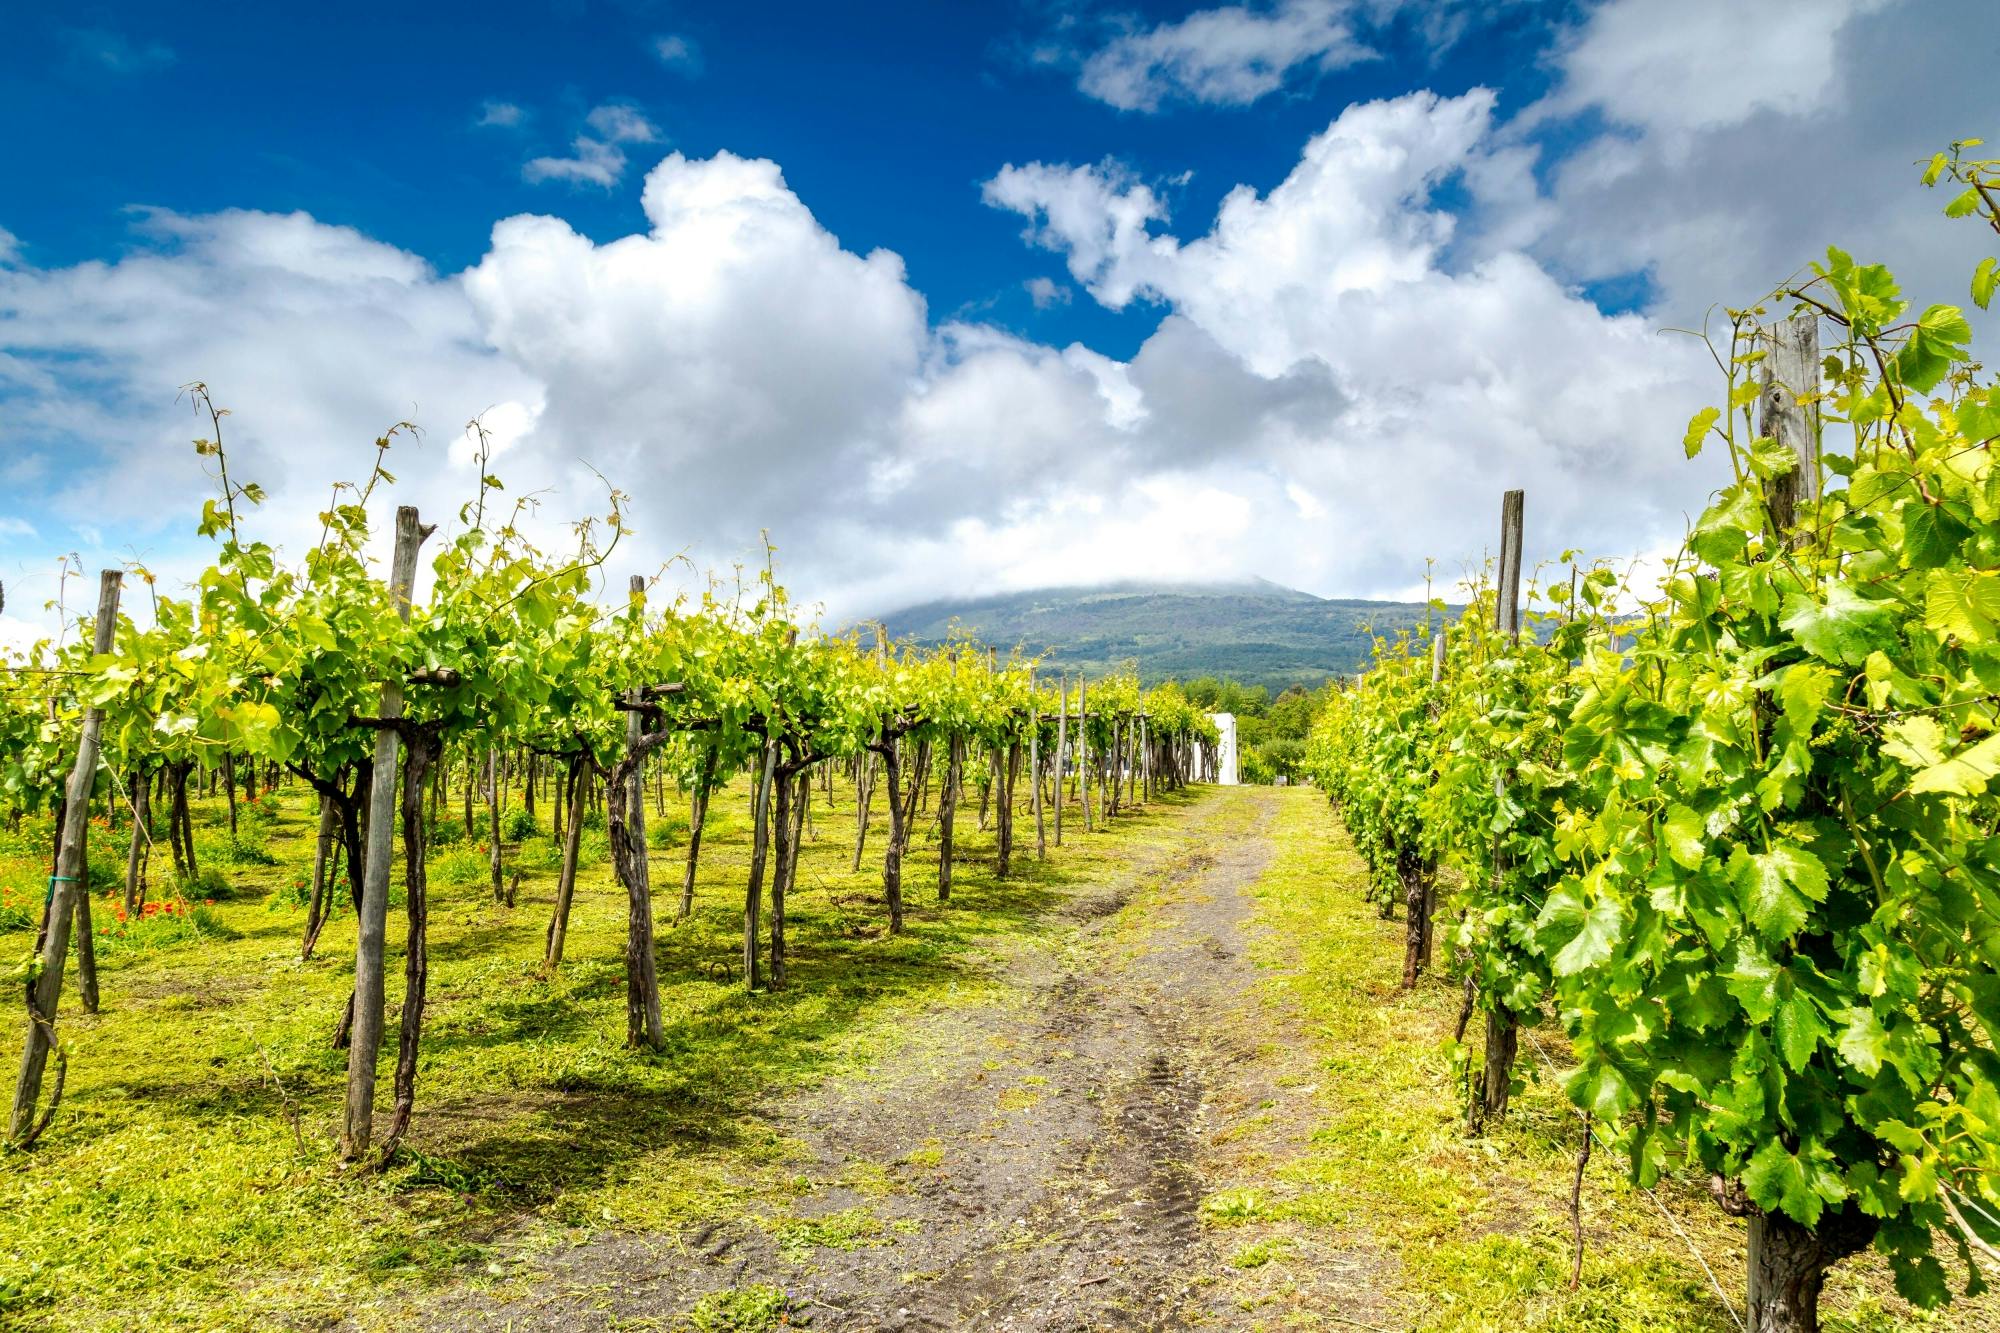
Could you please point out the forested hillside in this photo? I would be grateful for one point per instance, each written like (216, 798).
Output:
(1255, 632)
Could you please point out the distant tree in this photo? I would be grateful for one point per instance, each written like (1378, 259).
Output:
(1291, 714)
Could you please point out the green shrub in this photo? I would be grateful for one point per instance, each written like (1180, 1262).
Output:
(293, 891)
(105, 870)
(250, 847)
(519, 825)
(162, 923)
(206, 883)
(461, 865)
(448, 832)
(20, 909)
(538, 854)
(670, 831)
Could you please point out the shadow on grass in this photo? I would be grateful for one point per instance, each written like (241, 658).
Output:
(528, 1103)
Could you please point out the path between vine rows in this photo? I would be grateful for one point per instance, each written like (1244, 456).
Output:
(1066, 1137)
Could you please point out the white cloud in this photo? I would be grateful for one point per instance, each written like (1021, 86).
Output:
(10, 247)
(1318, 335)
(499, 115)
(15, 527)
(1097, 216)
(1228, 56)
(597, 158)
(1340, 382)
(1046, 292)
(1699, 65)
(622, 124)
(1740, 150)
(678, 52)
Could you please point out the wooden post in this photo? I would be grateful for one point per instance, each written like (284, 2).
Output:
(1083, 745)
(954, 778)
(1788, 412)
(1145, 757)
(493, 821)
(1507, 610)
(643, 1026)
(760, 843)
(1035, 768)
(864, 796)
(697, 818)
(65, 885)
(1062, 751)
(365, 1043)
(1502, 1036)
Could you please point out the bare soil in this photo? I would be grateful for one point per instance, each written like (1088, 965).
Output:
(1073, 1156)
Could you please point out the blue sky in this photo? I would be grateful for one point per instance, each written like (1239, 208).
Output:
(948, 297)
(886, 117)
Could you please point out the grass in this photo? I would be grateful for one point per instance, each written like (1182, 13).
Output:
(1478, 1228)
(190, 1178)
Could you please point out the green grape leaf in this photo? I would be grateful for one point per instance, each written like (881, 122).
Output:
(1802, 691)
(1686, 837)
(1916, 742)
(1938, 340)
(1983, 280)
(1593, 943)
(1600, 1088)
(1965, 773)
(1773, 887)
(1863, 1042)
(1776, 1181)
(1931, 536)
(1799, 1029)
(1845, 630)
(1963, 603)
(1704, 421)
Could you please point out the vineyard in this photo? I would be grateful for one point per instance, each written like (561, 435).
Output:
(1740, 845)
(386, 928)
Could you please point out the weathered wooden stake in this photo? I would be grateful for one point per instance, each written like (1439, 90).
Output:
(1502, 1034)
(1788, 412)
(45, 993)
(643, 1025)
(365, 1040)
(760, 845)
(1083, 746)
(1062, 752)
(1035, 769)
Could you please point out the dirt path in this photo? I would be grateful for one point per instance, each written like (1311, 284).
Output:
(1040, 1163)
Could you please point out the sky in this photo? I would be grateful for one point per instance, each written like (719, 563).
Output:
(948, 299)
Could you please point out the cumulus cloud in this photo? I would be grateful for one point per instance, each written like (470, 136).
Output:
(500, 115)
(1229, 56)
(1044, 291)
(1343, 375)
(1738, 151)
(597, 157)
(1317, 334)
(1702, 66)
(678, 52)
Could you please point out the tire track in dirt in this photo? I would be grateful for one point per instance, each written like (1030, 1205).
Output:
(1036, 1164)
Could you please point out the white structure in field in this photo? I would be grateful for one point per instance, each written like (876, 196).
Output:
(1225, 750)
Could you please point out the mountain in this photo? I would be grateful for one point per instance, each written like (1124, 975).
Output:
(1256, 632)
